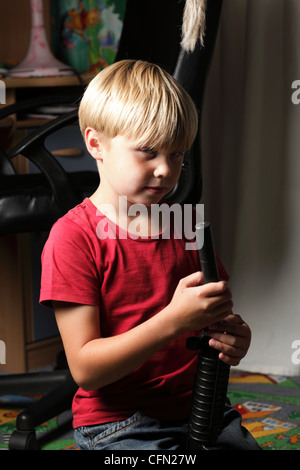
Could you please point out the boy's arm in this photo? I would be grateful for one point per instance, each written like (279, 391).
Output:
(95, 361)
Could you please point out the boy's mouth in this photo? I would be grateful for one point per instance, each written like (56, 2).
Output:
(155, 189)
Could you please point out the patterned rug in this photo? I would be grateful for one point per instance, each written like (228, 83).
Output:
(269, 406)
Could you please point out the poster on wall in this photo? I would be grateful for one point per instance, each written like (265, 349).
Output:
(86, 33)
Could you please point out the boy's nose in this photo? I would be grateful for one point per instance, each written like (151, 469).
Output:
(162, 168)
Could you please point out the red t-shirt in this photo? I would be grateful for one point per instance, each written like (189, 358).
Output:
(88, 260)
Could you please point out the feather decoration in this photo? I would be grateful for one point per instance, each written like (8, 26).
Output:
(193, 24)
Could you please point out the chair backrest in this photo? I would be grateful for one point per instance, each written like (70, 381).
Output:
(152, 32)
(33, 202)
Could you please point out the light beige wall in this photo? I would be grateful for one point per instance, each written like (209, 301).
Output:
(251, 164)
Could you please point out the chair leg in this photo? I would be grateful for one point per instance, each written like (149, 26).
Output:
(51, 405)
(23, 440)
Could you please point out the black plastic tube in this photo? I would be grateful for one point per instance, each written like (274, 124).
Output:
(211, 379)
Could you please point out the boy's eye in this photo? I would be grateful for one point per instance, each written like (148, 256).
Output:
(150, 152)
(147, 150)
(177, 154)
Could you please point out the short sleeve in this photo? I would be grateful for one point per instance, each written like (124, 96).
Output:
(69, 268)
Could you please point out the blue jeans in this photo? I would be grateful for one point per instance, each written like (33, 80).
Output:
(139, 432)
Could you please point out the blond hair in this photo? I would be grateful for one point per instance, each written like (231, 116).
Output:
(139, 100)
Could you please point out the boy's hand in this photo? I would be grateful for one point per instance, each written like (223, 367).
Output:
(196, 305)
(231, 337)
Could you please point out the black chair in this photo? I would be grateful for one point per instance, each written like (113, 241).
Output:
(33, 202)
(52, 193)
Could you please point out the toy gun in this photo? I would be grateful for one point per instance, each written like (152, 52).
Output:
(211, 379)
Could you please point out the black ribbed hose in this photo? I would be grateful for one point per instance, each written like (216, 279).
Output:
(211, 379)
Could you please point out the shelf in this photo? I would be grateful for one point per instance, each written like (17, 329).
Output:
(47, 81)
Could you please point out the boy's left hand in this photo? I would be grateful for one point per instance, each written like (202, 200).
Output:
(231, 337)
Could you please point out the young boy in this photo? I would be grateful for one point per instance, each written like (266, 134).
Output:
(127, 299)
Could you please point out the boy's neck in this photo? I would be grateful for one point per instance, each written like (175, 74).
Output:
(133, 218)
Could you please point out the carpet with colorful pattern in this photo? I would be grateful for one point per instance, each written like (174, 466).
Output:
(269, 406)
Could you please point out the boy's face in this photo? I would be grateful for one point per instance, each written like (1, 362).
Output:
(142, 175)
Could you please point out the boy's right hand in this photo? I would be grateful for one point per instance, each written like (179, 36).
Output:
(195, 305)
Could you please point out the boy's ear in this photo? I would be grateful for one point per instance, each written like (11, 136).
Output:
(93, 143)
